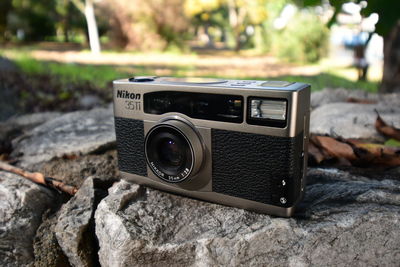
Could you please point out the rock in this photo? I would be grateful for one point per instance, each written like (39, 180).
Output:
(45, 245)
(7, 65)
(343, 220)
(73, 171)
(328, 96)
(16, 126)
(72, 229)
(74, 133)
(8, 94)
(110, 227)
(352, 120)
(29, 121)
(89, 101)
(22, 203)
(75, 226)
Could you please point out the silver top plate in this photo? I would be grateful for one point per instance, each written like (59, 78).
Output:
(194, 80)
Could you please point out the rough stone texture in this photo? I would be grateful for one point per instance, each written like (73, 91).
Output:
(21, 206)
(351, 120)
(8, 96)
(70, 134)
(16, 126)
(344, 220)
(46, 249)
(73, 223)
(328, 96)
(89, 101)
(74, 170)
(28, 121)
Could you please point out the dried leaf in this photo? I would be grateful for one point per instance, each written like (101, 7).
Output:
(334, 147)
(315, 153)
(385, 129)
(352, 152)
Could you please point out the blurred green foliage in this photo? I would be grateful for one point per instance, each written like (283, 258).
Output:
(39, 20)
(304, 40)
(32, 19)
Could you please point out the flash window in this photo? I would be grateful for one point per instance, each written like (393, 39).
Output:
(267, 112)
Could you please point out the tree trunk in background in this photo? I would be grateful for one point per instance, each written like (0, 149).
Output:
(92, 27)
(391, 63)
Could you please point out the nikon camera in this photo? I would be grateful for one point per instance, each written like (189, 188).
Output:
(240, 143)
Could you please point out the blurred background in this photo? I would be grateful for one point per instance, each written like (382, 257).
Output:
(64, 54)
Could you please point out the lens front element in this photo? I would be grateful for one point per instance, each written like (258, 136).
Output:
(170, 152)
(173, 151)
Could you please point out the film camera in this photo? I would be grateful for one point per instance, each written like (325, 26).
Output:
(240, 143)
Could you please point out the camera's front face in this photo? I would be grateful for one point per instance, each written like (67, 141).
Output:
(239, 143)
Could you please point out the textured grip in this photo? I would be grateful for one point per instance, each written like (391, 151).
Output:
(253, 166)
(130, 145)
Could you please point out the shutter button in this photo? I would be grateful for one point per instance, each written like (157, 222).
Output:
(140, 79)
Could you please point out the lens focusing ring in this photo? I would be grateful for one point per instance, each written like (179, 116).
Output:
(174, 151)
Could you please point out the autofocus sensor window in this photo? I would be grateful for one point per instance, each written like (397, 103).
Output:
(169, 153)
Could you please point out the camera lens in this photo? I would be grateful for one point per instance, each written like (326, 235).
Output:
(170, 152)
(173, 151)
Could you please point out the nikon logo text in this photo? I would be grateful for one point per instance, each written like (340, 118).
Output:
(125, 94)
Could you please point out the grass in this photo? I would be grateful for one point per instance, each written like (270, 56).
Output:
(71, 73)
(101, 75)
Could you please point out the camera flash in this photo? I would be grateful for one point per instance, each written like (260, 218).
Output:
(268, 109)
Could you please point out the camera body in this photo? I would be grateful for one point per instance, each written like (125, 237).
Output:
(240, 143)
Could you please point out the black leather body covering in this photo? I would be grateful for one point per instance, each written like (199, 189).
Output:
(253, 166)
(130, 145)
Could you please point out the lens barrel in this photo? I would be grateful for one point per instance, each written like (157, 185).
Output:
(174, 151)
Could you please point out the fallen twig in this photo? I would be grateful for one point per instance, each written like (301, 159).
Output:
(360, 100)
(39, 178)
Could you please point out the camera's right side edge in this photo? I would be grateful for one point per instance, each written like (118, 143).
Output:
(302, 125)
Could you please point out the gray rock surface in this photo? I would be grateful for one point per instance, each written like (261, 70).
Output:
(89, 101)
(8, 96)
(344, 220)
(29, 121)
(74, 133)
(352, 120)
(7, 65)
(21, 206)
(72, 226)
(329, 95)
(16, 126)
